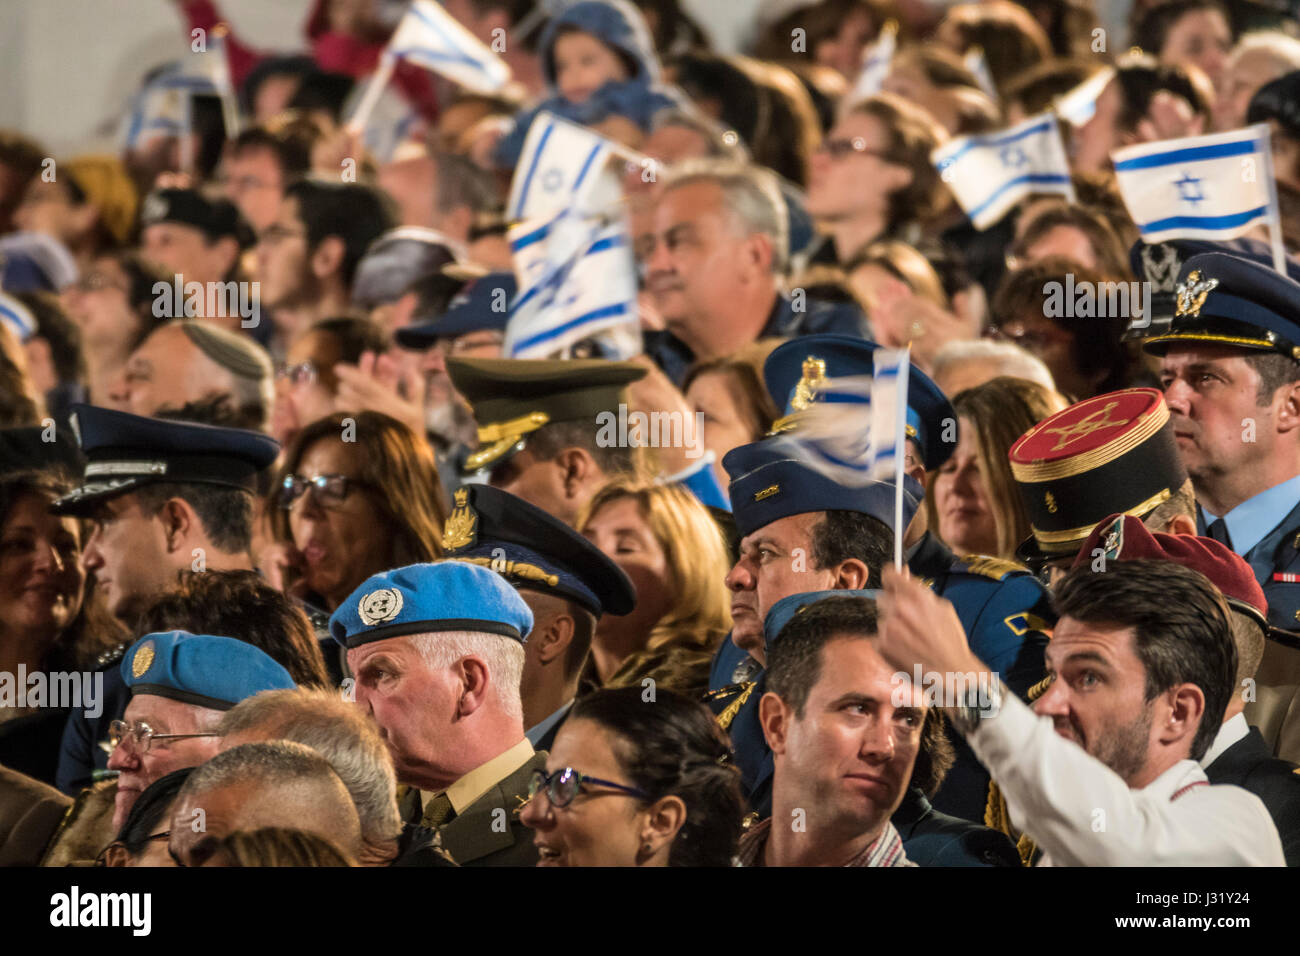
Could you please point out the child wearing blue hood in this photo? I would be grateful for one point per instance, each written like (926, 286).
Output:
(599, 61)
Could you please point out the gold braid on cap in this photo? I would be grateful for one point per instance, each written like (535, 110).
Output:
(497, 438)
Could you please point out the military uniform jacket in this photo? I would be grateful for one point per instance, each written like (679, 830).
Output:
(474, 835)
(735, 703)
(1278, 553)
(932, 838)
(1249, 764)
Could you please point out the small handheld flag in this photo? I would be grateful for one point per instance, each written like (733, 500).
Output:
(875, 64)
(977, 64)
(1078, 106)
(990, 173)
(562, 166)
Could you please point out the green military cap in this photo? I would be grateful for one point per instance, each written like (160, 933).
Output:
(513, 397)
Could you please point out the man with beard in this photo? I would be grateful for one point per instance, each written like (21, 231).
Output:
(307, 257)
(1142, 666)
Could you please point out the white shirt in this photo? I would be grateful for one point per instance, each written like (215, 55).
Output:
(1231, 731)
(1083, 814)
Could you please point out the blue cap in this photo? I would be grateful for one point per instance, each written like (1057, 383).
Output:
(534, 550)
(200, 669)
(1224, 299)
(779, 615)
(793, 370)
(767, 484)
(425, 598)
(125, 451)
(481, 304)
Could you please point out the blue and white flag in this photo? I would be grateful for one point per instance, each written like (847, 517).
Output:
(977, 64)
(430, 37)
(1198, 187)
(1078, 106)
(875, 64)
(563, 166)
(162, 106)
(991, 172)
(17, 316)
(577, 281)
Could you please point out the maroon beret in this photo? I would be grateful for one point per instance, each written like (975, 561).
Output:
(1125, 538)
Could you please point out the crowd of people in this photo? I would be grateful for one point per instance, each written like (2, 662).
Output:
(299, 567)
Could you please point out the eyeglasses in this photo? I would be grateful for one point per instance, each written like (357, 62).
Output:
(840, 148)
(142, 736)
(331, 490)
(566, 783)
(95, 281)
(102, 858)
(274, 233)
(304, 373)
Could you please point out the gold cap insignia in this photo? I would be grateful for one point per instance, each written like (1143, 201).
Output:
(380, 606)
(1094, 421)
(143, 660)
(461, 525)
(811, 382)
(767, 492)
(1192, 293)
(1050, 499)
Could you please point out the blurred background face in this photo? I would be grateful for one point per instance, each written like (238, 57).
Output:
(1050, 343)
(41, 579)
(601, 826)
(168, 370)
(1201, 38)
(621, 531)
(848, 177)
(583, 65)
(727, 421)
(342, 543)
(255, 184)
(47, 208)
(98, 303)
(306, 384)
(283, 255)
(966, 520)
(843, 50)
(185, 251)
(1242, 78)
(852, 751)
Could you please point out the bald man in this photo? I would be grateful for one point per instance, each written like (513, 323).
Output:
(278, 784)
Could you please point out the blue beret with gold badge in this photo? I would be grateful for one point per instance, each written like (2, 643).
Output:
(427, 598)
(200, 669)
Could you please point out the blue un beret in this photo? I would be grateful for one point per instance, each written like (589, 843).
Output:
(804, 360)
(199, 669)
(1227, 300)
(425, 598)
(767, 484)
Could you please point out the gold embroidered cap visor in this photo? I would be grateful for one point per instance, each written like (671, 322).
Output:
(512, 398)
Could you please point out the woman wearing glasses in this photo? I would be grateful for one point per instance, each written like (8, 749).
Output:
(358, 493)
(631, 783)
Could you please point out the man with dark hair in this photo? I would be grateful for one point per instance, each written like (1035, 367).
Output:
(566, 581)
(843, 739)
(1142, 665)
(198, 239)
(1229, 370)
(307, 257)
(20, 162)
(261, 161)
(538, 426)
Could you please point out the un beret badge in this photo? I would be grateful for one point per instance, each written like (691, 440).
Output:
(380, 606)
(142, 661)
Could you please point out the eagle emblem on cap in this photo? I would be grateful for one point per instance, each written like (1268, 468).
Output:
(812, 381)
(1192, 293)
(461, 525)
(380, 606)
(143, 660)
(154, 208)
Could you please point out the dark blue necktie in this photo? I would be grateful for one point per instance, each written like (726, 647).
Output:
(1218, 530)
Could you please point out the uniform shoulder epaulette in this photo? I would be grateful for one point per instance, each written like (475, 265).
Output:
(989, 567)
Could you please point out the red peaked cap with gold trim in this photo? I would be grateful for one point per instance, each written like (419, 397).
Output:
(1111, 453)
(1125, 538)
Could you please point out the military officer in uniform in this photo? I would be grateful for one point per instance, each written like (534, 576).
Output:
(538, 426)
(1003, 608)
(566, 581)
(1110, 454)
(438, 650)
(1230, 369)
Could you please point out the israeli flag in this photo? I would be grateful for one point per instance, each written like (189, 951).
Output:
(430, 37)
(990, 173)
(1078, 106)
(577, 281)
(17, 316)
(977, 64)
(1198, 187)
(562, 166)
(876, 64)
(162, 106)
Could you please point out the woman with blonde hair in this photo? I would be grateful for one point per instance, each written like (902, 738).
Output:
(972, 502)
(671, 549)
